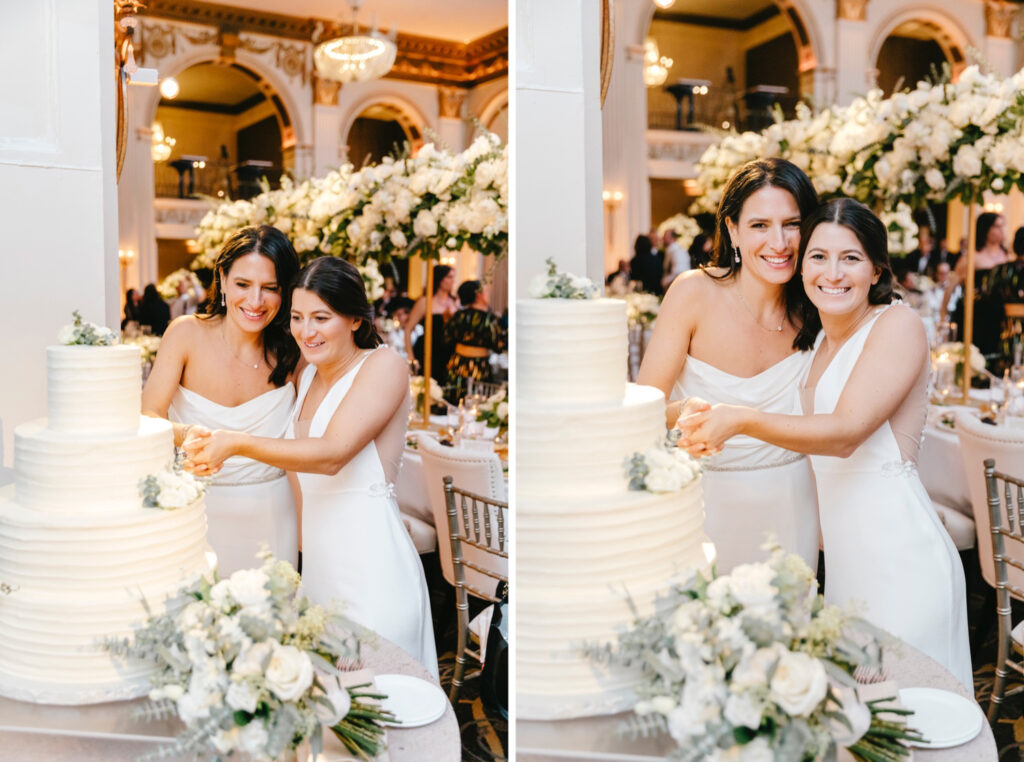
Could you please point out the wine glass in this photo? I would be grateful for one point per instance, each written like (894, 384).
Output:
(944, 367)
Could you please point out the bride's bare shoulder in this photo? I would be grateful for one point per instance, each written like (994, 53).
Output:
(691, 288)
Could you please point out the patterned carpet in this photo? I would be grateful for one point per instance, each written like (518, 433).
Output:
(484, 731)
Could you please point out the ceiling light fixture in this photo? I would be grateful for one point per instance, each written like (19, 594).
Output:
(664, 4)
(656, 66)
(169, 88)
(356, 57)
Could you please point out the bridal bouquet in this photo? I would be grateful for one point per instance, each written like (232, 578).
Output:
(753, 666)
(249, 666)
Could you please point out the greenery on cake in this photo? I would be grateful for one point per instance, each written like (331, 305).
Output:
(661, 469)
(83, 333)
(250, 666)
(561, 285)
(753, 665)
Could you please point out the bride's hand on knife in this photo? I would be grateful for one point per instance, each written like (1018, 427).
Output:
(206, 452)
(705, 432)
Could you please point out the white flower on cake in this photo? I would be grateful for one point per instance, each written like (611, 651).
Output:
(86, 334)
(661, 469)
(248, 665)
(171, 489)
(726, 686)
(559, 285)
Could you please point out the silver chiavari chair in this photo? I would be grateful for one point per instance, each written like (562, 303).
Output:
(483, 388)
(1006, 512)
(477, 528)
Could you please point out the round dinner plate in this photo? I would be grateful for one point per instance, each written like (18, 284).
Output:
(413, 701)
(944, 718)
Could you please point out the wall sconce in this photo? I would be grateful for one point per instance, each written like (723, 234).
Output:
(612, 199)
(994, 206)
(125, 256)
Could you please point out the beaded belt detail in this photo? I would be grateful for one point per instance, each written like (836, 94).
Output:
(262, 480)
(794, 458)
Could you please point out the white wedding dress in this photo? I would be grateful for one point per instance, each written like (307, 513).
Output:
(249, 503)
(355, 547)
(752, 489)
(884, 544)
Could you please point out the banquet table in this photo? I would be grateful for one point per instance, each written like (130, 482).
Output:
(106, 732)
(942, 470)
(595, 738)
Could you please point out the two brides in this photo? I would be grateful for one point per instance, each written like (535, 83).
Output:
(863, 401)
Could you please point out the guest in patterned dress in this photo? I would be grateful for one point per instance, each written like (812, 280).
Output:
(475, 332)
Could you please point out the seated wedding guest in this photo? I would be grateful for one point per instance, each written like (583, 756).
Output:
(399, 309)
(474, 332)
(153, 311)
(647, 265)
(345, 445)
(618, 281)
(232, 367)
(132, 299)
(445, 304)
(190, 295)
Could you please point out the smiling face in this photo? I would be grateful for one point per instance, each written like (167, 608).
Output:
(768, 234)
(322, 334)
(252, 294)
(837, 272)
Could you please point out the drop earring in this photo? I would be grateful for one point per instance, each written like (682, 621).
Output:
(736, 254)
(223, 300)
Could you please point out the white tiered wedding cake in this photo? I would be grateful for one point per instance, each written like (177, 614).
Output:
(77, 547)
(584, 541)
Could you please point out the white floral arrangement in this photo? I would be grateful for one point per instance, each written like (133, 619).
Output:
(661, 469)
(754, 666)
(901, 229)
(148, 345)
(642, 308)
(685, 228)
(416, 390)
(171, 489)
(168, 287)
(406, 204)
(86, 334)
(373, 281)
(248, 665)
(560, 285)
(953, 351)
(494, 411)
(938, 141)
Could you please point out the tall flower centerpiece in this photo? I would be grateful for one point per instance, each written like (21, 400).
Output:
(754, 666)
(249, 665)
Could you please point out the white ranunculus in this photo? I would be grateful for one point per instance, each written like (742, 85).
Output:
(799, 684)
(249, 588)
(241, 696)
(751, 584)
(289, 673)
(742, 709)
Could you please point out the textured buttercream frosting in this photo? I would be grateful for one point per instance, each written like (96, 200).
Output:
(83, 555)
(586, 546)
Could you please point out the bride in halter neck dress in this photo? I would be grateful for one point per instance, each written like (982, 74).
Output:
(864, 400)
(726, 334)
(345, 446)
(232, 369)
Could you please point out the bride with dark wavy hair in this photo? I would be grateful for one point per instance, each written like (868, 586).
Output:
(345, 446)
(233, 367)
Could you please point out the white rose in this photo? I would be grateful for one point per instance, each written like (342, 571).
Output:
(752, 671)
(253, 738)
(661, 480)
(66, 335)
(425, 224)
(751, 584)
(251, 660)
(242, 697)
(341, 703)
(743, 710)
(398, 239)
(935, 179)
(220, 595)
(249, 587)
(289, 673)
(502, 411)
(799, 684)
(659, 457)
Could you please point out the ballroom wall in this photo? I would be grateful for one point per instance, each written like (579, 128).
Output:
(57, 189)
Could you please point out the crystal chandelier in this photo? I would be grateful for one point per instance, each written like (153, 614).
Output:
(656, 66)
(356, 57)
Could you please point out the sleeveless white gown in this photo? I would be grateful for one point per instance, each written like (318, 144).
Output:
(884, 543)
(249, 502)
(752, 488)
(355, 547)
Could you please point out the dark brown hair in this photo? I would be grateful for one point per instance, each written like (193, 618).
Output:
(340, 286)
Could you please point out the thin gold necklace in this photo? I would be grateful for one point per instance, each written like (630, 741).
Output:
(255, 365)
(746, 306)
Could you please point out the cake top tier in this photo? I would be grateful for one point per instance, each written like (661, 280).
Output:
(94, 389)
(571, 350)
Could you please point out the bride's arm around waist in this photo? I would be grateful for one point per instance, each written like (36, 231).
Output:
(886, 372)
(378, 390)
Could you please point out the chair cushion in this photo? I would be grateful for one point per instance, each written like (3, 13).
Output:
(960, 528)
(424, 536)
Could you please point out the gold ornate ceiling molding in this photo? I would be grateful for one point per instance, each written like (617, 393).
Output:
(420, 59)
(852, 10)
(999, 15)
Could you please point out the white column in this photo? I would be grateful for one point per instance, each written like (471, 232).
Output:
(327, 153)
(854, 73)
(135, 197)
(557, 139)
(57, 189)
(452, 133)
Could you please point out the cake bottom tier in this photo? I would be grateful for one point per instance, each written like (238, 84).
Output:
(582, 568)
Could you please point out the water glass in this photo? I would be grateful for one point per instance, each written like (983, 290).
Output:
(944, 376)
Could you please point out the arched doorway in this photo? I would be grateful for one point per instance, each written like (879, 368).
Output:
(380, 130)
(913, 51)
